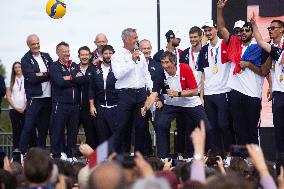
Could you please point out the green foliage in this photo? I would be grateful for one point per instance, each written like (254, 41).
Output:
(5, 122)
(2, 69)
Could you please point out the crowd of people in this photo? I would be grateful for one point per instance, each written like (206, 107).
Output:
(115, 93)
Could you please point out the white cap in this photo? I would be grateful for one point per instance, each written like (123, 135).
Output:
(208, 23)
(239, 24)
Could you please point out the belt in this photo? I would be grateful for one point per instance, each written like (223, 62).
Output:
(104, 106)
(133, 90)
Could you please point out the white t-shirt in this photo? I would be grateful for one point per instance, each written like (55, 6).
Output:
(192, 60)
(278, 85)
(216, 83)
(174, 83)
(18, 94)
(46, 87)
(247, 82)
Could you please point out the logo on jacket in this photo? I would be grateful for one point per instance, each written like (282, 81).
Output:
(153, 68)
(183, 78)
(98, 71)
(72, 68)
(63, 69)
(32, 61)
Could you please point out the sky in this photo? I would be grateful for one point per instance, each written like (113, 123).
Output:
(86, 18)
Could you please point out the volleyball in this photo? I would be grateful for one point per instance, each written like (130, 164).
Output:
(56, 8)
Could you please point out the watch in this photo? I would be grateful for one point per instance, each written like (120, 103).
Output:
(179, 93)
(197, 157)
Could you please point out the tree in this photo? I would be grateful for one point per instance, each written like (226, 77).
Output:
(2, 69)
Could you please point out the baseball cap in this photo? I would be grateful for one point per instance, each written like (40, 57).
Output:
(208, 23)
(239, 24)
(170, 34)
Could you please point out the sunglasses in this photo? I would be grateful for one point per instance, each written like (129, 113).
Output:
(272, 28)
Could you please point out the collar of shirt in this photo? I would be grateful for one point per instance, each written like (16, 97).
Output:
(218, 44)
(280, 45)
(176, 75)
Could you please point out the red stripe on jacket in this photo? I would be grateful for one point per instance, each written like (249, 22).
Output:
(187, 79)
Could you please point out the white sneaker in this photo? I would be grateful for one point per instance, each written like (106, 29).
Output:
(63, 156)
(72, 160)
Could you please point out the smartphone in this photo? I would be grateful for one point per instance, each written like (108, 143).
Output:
(239, 150)
(17, 157)
(211, 161)
(2, 156)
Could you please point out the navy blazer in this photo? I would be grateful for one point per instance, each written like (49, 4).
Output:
(64, 91)
(30, 67)
(98, 93)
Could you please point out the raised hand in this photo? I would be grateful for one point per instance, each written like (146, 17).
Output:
(221, 4)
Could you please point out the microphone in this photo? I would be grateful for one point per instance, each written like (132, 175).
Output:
(136, 48)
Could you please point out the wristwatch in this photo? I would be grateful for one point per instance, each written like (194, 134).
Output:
(179, 93)
(197, 157)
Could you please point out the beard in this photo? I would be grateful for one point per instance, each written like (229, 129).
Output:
(107, 60)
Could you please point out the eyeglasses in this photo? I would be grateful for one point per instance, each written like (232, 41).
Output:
(246, 30)
(272, 28)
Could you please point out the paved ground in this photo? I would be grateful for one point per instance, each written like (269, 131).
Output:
(263, 23)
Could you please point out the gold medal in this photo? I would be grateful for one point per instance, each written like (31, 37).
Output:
(215, 69)
(273, 67)
(281, 77)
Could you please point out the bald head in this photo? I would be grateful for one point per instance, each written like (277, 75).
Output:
(101, 40)
(33, 44)
(114, 174)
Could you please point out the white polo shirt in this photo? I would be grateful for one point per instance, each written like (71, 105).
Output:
(174, 83)
(46, 87)
(18, 94)
(216, 83)
(247, 82)
(130, 74)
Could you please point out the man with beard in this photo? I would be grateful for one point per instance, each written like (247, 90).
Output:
(214, 91)
(100, 41)
(172, 44)
(246, 58)
(104, 97)
(86, 119)
(133, 80)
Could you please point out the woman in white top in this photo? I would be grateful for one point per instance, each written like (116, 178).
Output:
(16, 97)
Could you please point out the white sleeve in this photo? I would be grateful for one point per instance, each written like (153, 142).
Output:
(121, 66)
(148, 80)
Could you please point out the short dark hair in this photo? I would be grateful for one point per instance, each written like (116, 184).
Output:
(85, 48)
(172, 57)
(279, 22)
(107, 47)
(62, 43)
(195, 29)
(38, 165)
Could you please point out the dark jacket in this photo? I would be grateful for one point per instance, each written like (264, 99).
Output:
(64, 91)
(98, 93)
(184, 57)
(30, 67)
(84, 88)
(2, 90)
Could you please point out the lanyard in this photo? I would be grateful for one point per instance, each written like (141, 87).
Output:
(20, 85)
(216, 55)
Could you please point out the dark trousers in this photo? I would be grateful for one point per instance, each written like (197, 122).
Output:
(218, 113)
(278, 120)
(167, 115)
(64, 115)
(17, 121)
(245, 112)
(106, 123)
(88, 123)
(37, 113)
(129, 108)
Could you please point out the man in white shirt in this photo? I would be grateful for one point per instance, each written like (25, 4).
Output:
(245, 79)
(214, 91)
(35, 66)
(130, 68)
